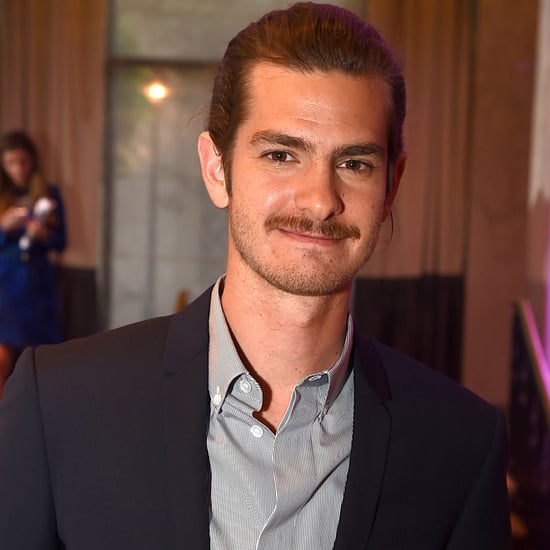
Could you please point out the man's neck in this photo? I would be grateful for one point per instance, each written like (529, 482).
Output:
(282, 338)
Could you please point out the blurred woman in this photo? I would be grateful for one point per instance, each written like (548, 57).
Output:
(32, 223)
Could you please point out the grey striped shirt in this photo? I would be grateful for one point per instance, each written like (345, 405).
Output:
(278, 491)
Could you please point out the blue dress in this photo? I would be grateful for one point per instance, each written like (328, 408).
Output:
(29, 311)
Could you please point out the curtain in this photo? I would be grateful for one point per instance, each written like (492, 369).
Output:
(433, 41)
(411, 293)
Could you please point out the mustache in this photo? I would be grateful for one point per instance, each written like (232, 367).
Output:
(330, 228)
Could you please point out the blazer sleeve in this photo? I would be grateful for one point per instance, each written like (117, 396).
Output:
(484, 523)
(27, 517)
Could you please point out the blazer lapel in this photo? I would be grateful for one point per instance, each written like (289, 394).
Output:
(371, 437)
(186, 412)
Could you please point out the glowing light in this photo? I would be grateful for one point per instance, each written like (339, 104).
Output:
(156, 92)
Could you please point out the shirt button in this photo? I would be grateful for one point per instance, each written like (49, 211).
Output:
(256, 431)
(314, 377)
(217, 399)
(245, 386)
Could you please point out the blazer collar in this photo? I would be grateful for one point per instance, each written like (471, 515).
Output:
(186, 413)
(188, 335)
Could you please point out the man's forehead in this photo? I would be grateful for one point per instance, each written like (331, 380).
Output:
(280, 96)
(270, 81)
(266, 70)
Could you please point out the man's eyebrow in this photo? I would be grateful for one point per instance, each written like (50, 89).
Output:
(361, 149)
(267, 137)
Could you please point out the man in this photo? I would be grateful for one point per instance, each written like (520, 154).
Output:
(259, 417)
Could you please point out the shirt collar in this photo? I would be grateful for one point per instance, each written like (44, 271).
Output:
(225, 365)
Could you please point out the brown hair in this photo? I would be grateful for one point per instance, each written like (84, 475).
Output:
(306, 37)
(18, 139)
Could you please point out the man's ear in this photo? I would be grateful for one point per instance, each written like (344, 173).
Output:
(396, 176)
(212, 170)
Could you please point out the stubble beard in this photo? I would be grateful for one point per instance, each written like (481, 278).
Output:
(316, 275)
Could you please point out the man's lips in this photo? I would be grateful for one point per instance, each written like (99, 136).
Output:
(308, 229)
(307, 235)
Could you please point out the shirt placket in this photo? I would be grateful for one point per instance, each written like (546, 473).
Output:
(293, 463)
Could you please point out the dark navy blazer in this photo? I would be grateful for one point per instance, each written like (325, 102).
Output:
(103, 446)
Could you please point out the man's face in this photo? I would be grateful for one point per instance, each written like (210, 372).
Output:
(308, 179)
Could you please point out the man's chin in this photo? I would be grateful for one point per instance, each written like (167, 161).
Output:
(303, 285)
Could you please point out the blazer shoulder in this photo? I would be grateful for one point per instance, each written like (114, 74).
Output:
(419, 391)
(138, 344)
(404, 369)
(443, 452)
(132, 338)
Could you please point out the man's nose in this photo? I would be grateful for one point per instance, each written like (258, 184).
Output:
(317, 193)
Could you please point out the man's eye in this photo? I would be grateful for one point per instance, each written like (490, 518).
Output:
(279, 156)
(355, 165)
